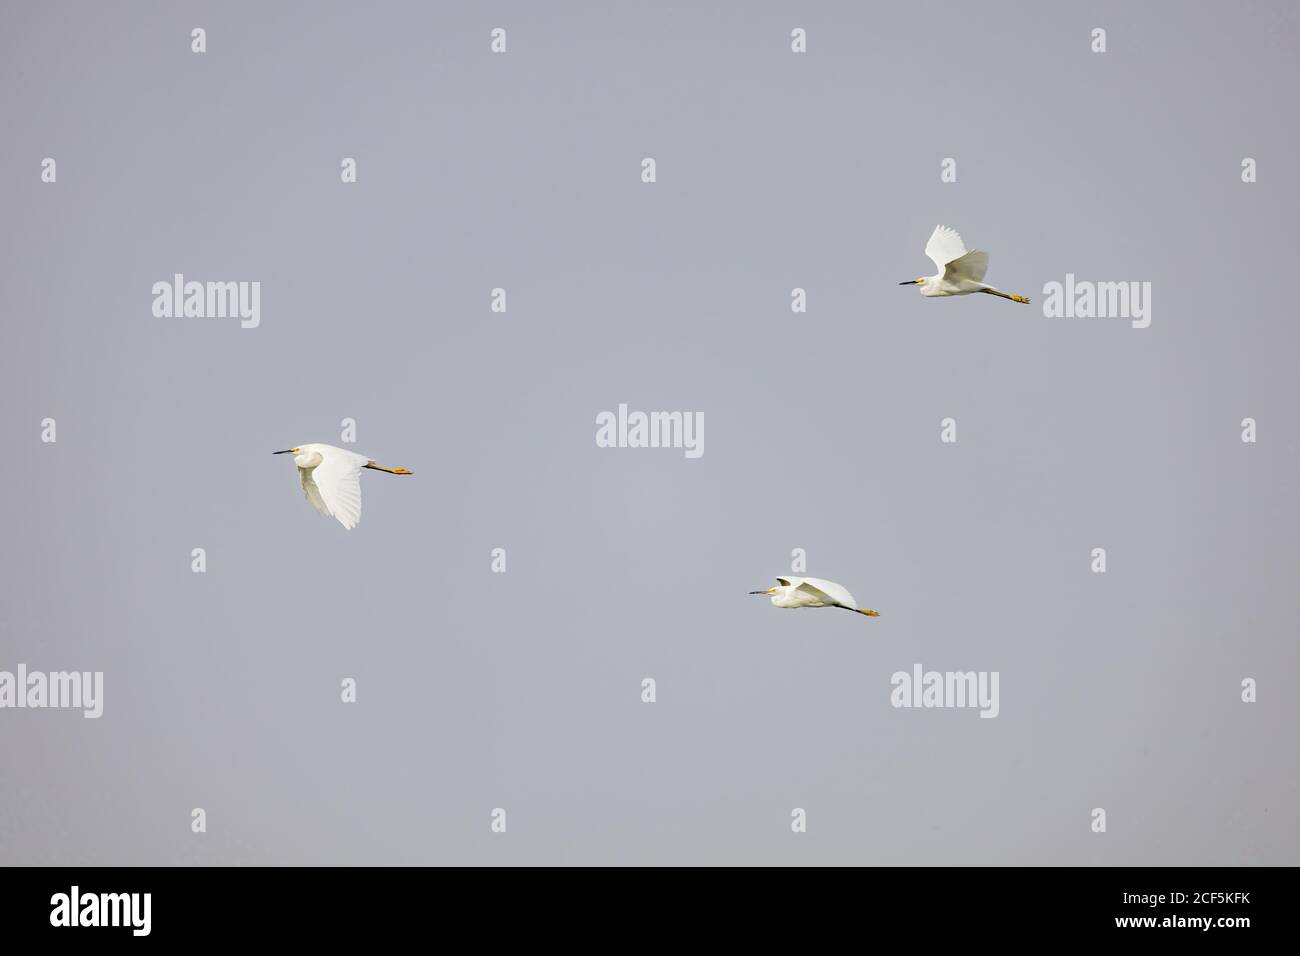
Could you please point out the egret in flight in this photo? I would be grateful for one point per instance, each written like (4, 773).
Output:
(331, 479)
(813, 592)
(960, 272)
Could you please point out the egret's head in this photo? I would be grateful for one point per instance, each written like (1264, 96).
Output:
(302, 459)
(778, 593)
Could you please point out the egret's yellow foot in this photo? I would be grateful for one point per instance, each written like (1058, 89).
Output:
(869, 613)
(1020, 298)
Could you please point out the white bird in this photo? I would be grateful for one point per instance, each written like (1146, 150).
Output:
(813, 592)
(331, 479)
(960, 272)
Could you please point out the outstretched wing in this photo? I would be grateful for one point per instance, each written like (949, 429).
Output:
(334, 486)
(828, 592)
(312, 492)
(944, 246)
(972, 266)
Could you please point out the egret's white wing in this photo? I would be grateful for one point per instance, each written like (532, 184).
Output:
(337, 483)
(312, 492)
(828, 591)
(944, 246)
(972, 266)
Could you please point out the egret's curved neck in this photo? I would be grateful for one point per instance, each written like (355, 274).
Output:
(308, 459)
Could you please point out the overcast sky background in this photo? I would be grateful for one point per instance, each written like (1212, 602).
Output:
(522, 690)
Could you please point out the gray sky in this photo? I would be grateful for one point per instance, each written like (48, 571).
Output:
(522, 690)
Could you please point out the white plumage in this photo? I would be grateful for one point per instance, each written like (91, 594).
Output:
(331, 479)
(812, 592)
(960, 272)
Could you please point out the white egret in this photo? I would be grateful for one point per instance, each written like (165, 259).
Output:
(813, 592)
(331, 479)
(960, 272)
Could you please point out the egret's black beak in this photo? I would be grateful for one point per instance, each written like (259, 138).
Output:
(757, 592)
(285, 452)
(908, 282)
